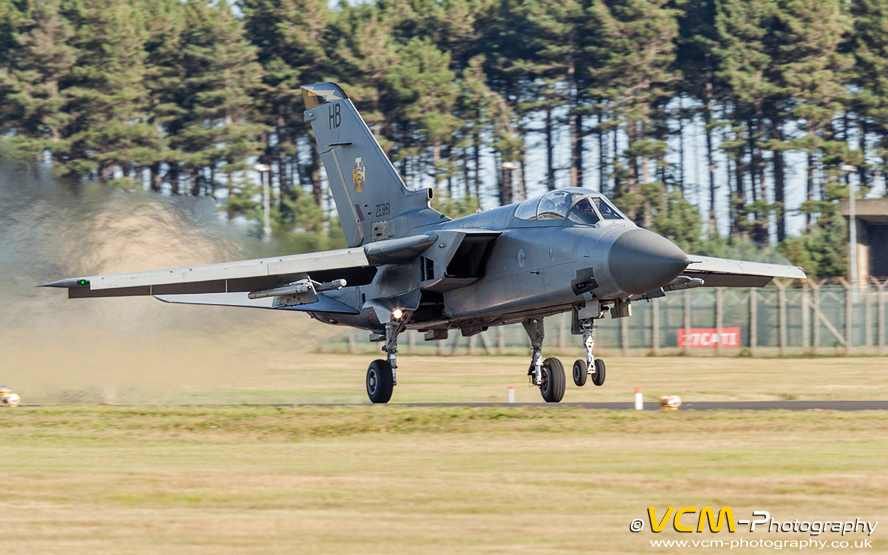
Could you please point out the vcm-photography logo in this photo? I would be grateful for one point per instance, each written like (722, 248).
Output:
(692, 519)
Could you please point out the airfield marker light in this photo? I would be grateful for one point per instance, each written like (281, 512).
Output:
(397, 313)
(511, 394)
(639, 400)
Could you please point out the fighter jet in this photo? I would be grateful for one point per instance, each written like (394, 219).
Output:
(409, 267)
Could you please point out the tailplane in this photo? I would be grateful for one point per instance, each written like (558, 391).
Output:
(370, 196)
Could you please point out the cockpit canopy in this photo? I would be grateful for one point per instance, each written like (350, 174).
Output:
(581, 206)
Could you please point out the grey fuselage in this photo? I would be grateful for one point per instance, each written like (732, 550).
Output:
(528, 268)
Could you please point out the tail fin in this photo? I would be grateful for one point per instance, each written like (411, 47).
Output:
(368, 191)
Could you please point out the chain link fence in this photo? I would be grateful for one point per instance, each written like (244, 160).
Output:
(780, 320)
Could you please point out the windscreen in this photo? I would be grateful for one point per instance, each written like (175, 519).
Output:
(607, 211)
(583, 213)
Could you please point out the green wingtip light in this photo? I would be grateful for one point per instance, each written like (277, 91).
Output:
(83, 282)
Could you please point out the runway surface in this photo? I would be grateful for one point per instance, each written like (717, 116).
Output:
(648, 406)
(728, 405)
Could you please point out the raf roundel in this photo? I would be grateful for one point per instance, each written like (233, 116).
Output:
(359, 173)
(522, 258)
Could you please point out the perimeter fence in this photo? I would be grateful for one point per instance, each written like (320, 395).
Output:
(780, 320)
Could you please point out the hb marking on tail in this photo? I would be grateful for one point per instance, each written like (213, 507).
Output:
(375, 195)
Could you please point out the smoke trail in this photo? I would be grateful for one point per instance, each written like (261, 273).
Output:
(132, 349)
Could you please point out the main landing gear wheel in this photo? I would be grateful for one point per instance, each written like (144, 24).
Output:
(379, 381)
(552, 382)
(598, 376)
(579, 372)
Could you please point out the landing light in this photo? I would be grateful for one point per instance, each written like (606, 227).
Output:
(397, 313)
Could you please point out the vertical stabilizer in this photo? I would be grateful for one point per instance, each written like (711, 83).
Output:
(368, 191)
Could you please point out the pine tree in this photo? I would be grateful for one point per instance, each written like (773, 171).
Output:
(219, 131)
(164, 81)
(749, 68)
(698, 62)
(292, 38)
(108, 131)
(37, 61)
(869, 44)
(426, 90)
(814, 71)
(635, 55)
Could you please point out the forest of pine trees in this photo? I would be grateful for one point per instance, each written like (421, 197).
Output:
(182, 97)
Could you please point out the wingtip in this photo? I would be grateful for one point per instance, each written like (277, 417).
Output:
(67, 283)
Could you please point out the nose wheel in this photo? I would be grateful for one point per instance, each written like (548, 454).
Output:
(581, 372)
(591, 367)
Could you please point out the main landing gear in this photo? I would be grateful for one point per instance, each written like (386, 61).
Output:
(548, 374)
(381, 375)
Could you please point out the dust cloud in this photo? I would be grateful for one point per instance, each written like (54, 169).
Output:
(131, 349)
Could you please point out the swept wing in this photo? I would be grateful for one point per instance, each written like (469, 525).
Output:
(722, 272)
(269, 277)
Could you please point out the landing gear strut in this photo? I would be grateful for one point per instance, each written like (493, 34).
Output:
(381, 375)
(591, 366)
(547, 374)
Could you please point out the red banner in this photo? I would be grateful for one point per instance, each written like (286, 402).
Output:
(708, 338)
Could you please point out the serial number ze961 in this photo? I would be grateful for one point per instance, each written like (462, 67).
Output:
(383, 209)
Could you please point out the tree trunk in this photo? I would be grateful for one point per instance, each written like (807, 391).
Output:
(465, 167)
(315, 173)
(741, 230)
(449, 155)
(283, 178)
(707, 119)
(760, 226)
(809, 191)
(681, 146)
(174, 180)
(578, 139)
(615, 161)
(861, 170)
(436, 162)
(602, 155)
(156, 181)
(632, 161)
(522, 184)
(779, 184)
(477, 156)
(550, 152)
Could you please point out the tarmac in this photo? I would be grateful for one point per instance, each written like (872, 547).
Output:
(727, 405)
(648, 406)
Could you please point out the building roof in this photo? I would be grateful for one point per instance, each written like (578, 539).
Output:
(873, 210)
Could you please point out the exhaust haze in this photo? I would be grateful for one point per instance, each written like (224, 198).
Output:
(131, 349)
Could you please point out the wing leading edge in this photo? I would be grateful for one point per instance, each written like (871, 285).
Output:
(722, 272)
(355, 265)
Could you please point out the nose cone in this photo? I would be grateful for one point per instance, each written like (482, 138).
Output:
(641, 261)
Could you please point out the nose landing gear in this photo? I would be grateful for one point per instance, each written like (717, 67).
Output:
(591, 366)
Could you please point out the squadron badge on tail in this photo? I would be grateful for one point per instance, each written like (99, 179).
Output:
(359, 173)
